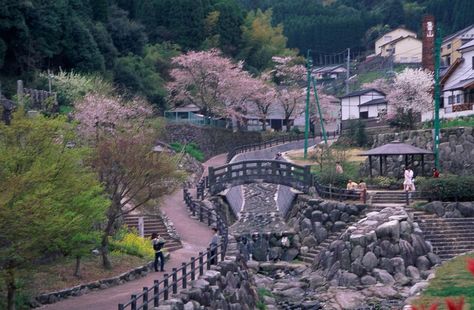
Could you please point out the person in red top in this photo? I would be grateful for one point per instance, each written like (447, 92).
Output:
(435, 173)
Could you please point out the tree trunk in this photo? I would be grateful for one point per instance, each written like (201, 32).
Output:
(288, 125)
(264, 125)
(77, 270)
(11, 289)
(105, 241)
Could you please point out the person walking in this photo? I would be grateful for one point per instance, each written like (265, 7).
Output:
(213, 246)
(408, 180)
(339, 169)
(158, 244)
(435, 173)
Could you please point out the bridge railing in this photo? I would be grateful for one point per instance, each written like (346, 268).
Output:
(151, 297)
(273, 142)
(272, 171)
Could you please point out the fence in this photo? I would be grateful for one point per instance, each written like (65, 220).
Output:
(330, 192)
(151, 297)
(274, 142)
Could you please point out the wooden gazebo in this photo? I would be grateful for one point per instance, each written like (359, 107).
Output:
(396, 148)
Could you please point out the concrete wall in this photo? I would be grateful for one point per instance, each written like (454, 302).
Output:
(392, 35)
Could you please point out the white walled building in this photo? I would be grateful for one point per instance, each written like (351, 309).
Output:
(458, 86)
(362, 104)
(404, 50)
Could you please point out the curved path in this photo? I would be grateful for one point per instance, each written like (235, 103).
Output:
(195, 237)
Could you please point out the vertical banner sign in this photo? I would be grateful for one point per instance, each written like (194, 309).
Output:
(427, 56)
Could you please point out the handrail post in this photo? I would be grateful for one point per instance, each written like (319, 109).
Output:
(184, 274)
(156, 293)
(145, 298)
(166, 286)
(200, 213)
(193, 209)
(133, 305)
(201, 263)
(174, 276)
(222, 251)
(407, 198)
(193, 268)
(208, 260)
(209, 219)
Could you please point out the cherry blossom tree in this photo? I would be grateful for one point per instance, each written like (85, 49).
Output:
(123, 137)
(264, 99)
(204, 79)
(411, 90)
(329, 108)
(408, 94)
(99, 112)
(290, 78)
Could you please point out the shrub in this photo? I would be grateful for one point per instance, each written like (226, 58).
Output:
(450, 188)
(191, 148)
(131, 243)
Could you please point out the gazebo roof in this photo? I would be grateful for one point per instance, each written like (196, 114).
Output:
(395, 148)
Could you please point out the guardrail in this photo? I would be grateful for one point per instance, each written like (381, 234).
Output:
(273, 142)
(151, 297)
(335, 193)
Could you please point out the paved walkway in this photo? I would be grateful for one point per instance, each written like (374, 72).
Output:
(195, 237)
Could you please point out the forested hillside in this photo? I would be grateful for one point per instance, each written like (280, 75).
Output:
(131, 41)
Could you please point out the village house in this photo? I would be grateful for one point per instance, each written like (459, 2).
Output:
(451, 44)
(400, 43)
(330, 72)
(366, 104)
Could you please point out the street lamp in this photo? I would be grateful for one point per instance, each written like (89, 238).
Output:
(309, 64)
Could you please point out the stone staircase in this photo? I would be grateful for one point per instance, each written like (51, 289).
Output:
(311, 256)
(153, 224)
(393, 197)
(448, 236)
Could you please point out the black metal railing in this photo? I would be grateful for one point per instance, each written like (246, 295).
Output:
(273, 142)
(151, 297)
(335, 193)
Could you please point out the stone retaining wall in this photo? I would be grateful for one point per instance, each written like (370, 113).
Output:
(450, 209)
(82, 289)
(387, 247)
(212, 140)
(269, 246)
(314, 219)
(456, 151)
(226, 286)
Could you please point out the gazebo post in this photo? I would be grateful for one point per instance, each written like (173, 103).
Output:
(370, 166)
(422, 165)
(385, 163)
(380, 164)
(406, 161)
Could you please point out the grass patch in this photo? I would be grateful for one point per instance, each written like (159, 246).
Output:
(191, 148)
(467, 121)
(59, 275)
(452, 280)
(262, 292)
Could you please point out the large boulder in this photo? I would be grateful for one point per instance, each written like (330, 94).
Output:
(466, 209)
(383, 276)
(389, 230)
(435, 207)
(369, 261)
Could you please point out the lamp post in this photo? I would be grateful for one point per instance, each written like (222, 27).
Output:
(309, 64)
(437, 95)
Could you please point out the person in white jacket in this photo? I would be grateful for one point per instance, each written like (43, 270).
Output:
(408, 182)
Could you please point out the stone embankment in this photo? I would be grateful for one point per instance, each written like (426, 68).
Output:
(456, 151)
(228, 285)
(316, 221)
(387, 247)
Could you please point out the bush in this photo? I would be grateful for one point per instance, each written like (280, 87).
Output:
(385, 182)
(327, 177)
(131, 243)
(191, 148)
(450, 188)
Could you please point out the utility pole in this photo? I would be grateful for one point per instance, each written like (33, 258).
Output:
(321, 121)
(309, 64)
(437, 96)
(348, 68)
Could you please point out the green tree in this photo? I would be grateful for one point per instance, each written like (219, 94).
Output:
(261, 41)
(47, 196)
(128, 35)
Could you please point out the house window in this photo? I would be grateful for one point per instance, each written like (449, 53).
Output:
(364, 115)
(458, 98)
(441, 102)
(449, 46)
(450, 99)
